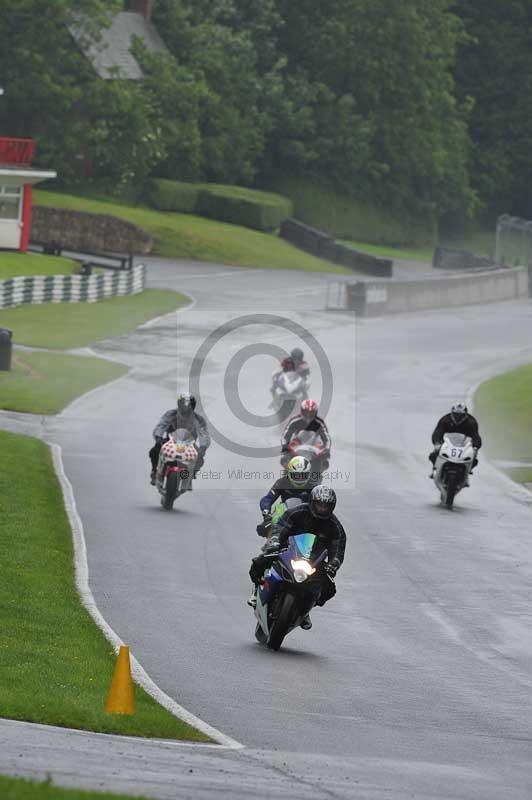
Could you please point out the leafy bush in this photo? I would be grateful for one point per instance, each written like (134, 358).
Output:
(262, 211)
(346, 217)
(166, 195)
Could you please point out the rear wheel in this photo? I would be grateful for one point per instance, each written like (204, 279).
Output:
(170, 491)
(279, 628)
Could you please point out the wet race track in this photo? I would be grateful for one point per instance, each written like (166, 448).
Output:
(415, 681)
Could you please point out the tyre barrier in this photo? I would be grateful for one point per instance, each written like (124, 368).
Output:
(70, 288)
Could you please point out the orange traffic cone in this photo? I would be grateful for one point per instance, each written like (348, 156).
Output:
(120, 698)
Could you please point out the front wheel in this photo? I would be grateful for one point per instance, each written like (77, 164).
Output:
(170, 491)
(280, 627)
(452, 485)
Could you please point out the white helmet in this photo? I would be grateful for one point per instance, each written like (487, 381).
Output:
(298, 472)
(458, 413)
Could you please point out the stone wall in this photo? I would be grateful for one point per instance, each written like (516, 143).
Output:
(95, 233)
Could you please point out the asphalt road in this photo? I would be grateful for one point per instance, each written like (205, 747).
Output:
(415, 680)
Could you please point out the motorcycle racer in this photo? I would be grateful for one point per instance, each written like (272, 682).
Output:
(297, 482)
(458, 421)
(306, 420)
(182, 416)
(316, 517)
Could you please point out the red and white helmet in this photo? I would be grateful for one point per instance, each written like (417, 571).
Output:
(309, 409)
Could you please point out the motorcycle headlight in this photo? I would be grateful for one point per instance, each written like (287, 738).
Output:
(302, 570)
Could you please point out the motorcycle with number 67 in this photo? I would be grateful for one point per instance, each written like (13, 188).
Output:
(453, 465)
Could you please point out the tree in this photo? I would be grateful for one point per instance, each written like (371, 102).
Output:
(494, 68)
(395, 61)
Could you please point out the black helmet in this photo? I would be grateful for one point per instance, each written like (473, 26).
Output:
(458, 413)
(186, 403)
(297, 355)
(322, 501)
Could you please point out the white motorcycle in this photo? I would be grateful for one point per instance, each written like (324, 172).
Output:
(175, 470)
(289, 388)
(453, 465)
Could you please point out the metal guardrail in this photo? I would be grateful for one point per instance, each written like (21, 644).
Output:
(513, 242)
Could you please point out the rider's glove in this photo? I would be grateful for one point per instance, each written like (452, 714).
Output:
(272, 545)
(265, 512)
(332, 567)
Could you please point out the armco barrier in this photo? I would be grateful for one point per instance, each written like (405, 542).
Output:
(446, 258)
(70, 288)
(375, 299)
(322, 245)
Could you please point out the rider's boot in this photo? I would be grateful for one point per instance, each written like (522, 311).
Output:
(252, 600)
(152, 477)
(306, 623)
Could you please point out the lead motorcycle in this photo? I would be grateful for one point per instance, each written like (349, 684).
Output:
(289, 388)
(175, 469)
(453, 466)
(289, 588)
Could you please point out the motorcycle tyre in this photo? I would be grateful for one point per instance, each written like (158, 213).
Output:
(170, 491)
(452, 488)
(279, 628)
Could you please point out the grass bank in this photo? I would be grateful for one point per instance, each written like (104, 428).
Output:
(20, 789)
(66, 325)
(56, 664)
(504, 408)
(476, 241)
(197, 238)
(14, 264)
(44, 383)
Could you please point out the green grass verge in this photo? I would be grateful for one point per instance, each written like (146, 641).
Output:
(476, 241)
(15, 264)
(504, 408)
(56, 664)
(67, 325)
(189, 236)
(410, 254)
(44, 383)
(20, 789)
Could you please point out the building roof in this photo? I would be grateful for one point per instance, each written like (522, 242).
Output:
(111, 55)
(15, 176)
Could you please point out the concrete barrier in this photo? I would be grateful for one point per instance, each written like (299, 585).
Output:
(395, 297)
(322, 245)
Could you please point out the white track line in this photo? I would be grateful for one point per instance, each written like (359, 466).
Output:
(87, 598)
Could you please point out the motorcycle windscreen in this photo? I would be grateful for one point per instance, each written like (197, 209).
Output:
(302, 544)
(456, 439)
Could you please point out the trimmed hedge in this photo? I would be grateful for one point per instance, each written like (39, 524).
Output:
(263, 211)
(166, 195)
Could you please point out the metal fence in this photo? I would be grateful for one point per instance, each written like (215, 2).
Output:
(513, 243)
